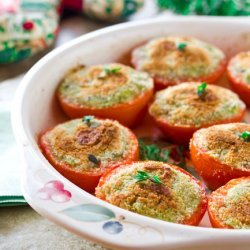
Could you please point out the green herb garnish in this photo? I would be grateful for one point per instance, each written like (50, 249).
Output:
(112, 71)
(201, 90)
(107, 71)
(87, 119)
(245, 136)
(93, 159)
(143, 176)
(153, 152)
(181, 46)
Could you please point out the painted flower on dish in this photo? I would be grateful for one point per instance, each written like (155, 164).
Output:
(54, 190)
(96, 213)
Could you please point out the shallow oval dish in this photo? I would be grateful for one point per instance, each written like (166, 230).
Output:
(55, 197)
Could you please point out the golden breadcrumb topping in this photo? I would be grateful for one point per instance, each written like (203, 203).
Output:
(103, 85)
(225, 143)
(72, 142)
(177, 59)
(233, 209)
(174, 200)
(180, 105)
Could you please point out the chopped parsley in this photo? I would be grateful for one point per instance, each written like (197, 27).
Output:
(107, 71)
(181, 46)
(245, 136)
(153, 152)
(143, 176)
(202, 90)
(87, 119)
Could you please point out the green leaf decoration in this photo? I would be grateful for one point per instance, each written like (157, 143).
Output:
(89, 213)
(207, 7)
(143, 176)
(2, 29)
(181, 46)
(153, 152)
(245, 136)
(201, 90)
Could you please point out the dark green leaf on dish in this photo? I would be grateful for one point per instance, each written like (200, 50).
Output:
(202, 90)
(153, 152)
(93, 159)
(143, 176)
(181, 46)
(245, 136)
(89, 213)
(87, 119)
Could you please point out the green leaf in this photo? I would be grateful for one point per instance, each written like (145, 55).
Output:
(88, 119)
(89, 213)
(201, 90)
(245, 136)
(112, 71)
(156, 179)
(2, 29)
(153, 152)
(143, 176)
(181, 46)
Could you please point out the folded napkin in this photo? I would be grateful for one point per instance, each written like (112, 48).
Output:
(10, 168)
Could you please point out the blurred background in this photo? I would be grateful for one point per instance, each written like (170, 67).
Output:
(31, 28)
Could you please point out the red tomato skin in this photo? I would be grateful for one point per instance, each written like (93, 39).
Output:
(86, 180)
(194, 220)
(214, 173)
(128, 114)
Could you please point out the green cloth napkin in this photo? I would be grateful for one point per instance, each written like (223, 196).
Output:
(10, 167)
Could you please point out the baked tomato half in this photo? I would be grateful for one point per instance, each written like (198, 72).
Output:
(155, 189)
(238, 72)
(228, 206)
(112, 91)
(221, 153)
(172, 60)
(83, 149)
(181, 110)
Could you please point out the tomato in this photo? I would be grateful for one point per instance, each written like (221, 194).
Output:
(241, 88)
(87, 179)
(217, 199)
(197, 215)
(182, 134)
(213, 172)
(129, 114)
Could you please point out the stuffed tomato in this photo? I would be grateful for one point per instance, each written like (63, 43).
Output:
(172, 60)
(112, 91)
(228, 206)
(221, 153)
(155, 189)
(238, 72)
(83, 149)
(181, 110)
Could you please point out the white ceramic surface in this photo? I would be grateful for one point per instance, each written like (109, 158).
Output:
(56, 198)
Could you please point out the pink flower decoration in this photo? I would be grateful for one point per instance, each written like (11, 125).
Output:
(54, 190)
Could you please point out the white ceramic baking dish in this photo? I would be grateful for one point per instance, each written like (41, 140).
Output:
(58, 199)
